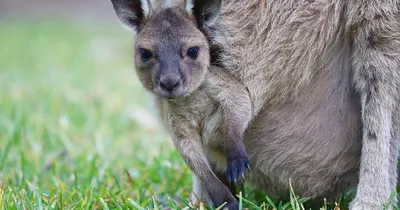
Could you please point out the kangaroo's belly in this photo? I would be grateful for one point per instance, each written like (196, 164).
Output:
(298, 73)
(313, 140)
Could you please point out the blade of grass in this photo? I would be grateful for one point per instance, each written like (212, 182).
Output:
(39, 199)
(1, 196)
(390, 201)
(134, 204)
(220, 207)
(240, 201)
(271, 203)
(172, 203)
(154, 203)
(114, 200)
(251, 203)
(104, 204)
(4, 153)
(147, 201)
(60, 200)
(90, 199)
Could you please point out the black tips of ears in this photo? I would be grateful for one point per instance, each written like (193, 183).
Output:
(129, 12)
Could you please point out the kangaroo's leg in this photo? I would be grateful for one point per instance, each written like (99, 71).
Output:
(375, 31)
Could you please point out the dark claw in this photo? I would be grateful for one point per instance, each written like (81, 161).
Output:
(228, 174)
(248, 166)
(236, 167)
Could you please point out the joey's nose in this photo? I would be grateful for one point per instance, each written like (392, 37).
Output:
(170, 82)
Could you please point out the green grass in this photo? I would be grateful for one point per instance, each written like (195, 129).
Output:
(69, 137)
(77, 129)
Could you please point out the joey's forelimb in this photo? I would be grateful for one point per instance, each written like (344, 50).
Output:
(235, 101)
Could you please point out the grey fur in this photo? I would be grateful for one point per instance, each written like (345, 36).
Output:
(318, 71)
(324, 83)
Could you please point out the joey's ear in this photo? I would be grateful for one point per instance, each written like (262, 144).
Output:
(205, 11)
(132, 12)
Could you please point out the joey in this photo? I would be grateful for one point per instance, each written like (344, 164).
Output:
(205, 109)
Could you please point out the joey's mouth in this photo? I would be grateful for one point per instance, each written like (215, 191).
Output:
(170, 94)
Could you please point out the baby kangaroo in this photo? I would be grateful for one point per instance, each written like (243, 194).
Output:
(205, 109)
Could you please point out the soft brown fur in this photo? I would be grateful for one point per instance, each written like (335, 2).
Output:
(324, 82)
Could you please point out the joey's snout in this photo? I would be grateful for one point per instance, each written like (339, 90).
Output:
(169, 82)
(169, 85)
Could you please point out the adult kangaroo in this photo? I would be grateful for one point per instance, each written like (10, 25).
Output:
(323, 78)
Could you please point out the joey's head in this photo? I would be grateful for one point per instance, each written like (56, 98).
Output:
(171, 53)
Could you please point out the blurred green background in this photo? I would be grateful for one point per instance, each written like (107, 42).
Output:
(77, 130)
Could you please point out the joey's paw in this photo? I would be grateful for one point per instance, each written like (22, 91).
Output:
(236, 167)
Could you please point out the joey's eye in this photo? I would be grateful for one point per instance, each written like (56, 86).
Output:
(193, 52)
(145, 55)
